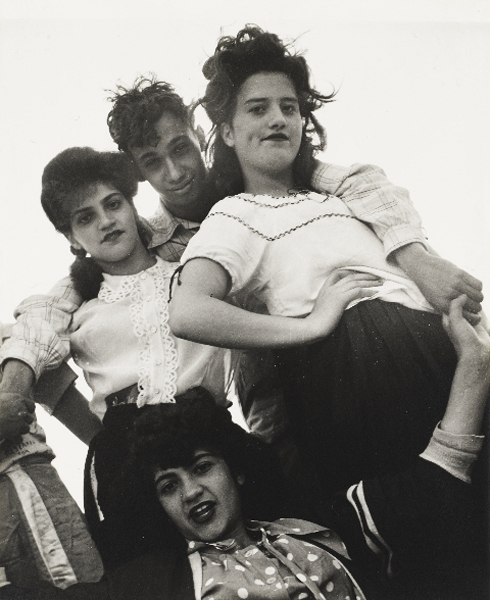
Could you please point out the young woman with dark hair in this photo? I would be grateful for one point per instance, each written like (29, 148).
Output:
(220, 490)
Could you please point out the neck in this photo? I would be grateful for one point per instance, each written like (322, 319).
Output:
(271, 184)
(139, 260)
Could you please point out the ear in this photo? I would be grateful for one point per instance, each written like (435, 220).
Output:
(199, 131)
(73, 242)
(227, 134)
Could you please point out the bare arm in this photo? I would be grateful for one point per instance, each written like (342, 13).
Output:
(16, 405)
(439, 280)
(199, 313)
(471, 383)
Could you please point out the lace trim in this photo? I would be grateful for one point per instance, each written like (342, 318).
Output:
(131, 287)
(284, 233)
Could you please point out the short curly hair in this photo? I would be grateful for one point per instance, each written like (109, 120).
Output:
(233, 62)
(137, 109)
(74, 171)
(167, 436)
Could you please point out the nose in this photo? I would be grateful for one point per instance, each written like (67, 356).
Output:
(174, 173)
(191, 489)
(106, 219)
(277, 118)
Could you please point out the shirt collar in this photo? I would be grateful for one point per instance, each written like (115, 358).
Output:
(164, 225)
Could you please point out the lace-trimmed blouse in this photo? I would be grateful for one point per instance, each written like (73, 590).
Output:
(281, 250)
(123, 337)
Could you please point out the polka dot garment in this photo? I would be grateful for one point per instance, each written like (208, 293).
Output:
(283, 565)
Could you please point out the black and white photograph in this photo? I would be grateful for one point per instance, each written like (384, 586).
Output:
(245, 265)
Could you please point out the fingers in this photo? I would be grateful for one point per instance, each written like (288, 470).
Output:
(472, 287)
(471, 317)
(30, 405)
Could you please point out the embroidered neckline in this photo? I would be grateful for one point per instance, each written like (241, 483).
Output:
(298, 198)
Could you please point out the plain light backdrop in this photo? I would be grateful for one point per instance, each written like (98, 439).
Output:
(413, 83)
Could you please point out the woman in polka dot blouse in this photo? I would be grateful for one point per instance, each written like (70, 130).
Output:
(211, 477)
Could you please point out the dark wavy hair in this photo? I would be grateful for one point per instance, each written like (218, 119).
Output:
(167, 436)
(233, 62)
(137, 109)
(66, 180)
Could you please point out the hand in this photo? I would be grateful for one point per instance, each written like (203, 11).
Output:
(471, 342)
(339, 290)
(440, 281)
(16, 414)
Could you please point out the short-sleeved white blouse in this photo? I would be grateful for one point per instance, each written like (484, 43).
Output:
(122, 337)
(281, 250)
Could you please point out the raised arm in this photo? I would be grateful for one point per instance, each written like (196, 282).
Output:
(389, 211)
(394, 515)
(198, 311)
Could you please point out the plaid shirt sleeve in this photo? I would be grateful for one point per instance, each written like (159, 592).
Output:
(374, 200)
(40, 336)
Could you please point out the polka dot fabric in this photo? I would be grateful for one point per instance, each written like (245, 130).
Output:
(281, 566)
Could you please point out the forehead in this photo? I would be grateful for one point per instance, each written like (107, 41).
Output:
(169, 129)
(267, 85)
(92, 194)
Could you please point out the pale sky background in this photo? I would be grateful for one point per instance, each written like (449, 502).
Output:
(414, 90)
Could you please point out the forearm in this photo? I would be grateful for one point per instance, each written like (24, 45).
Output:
(467, 401)
(73, 411)
(215, 322)
(17, 377)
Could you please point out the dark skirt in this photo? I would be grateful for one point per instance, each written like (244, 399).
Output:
(364, 401)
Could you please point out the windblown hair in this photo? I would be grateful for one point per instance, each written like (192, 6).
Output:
(66, 180)
(167, 436)
(136, 110)
(233, 62)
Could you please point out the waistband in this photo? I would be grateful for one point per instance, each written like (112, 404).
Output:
(128, 395)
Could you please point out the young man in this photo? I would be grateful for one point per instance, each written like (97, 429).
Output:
(152, 124)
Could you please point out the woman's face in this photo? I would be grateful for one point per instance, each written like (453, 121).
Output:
(266, 127)
(201, 500)
(103, 223)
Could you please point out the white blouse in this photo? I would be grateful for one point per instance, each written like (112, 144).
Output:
(281, 250)
(123, 337)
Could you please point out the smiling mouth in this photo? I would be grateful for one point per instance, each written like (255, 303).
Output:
(181, 188)
(113, 236)
(202, 512)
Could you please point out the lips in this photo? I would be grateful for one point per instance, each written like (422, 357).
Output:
(276, 137)
(181, 188)
(112, 236)
(202, 512)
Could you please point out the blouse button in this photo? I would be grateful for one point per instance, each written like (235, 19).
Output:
(153, 329)
(149, 298)
(158, 362)
(143, 275)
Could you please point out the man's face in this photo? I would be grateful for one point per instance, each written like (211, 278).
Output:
(174, 167)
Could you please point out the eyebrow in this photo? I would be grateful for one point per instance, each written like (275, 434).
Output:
(172, 142)
(167, 474)
(286, 98)
(86, 208)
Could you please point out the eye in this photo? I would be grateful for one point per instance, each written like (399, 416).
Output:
(203, 467)
(165, 489)
(257, 109)
(152, 164)
(114, 203)
(181, 148)
(83, 219)
(290, 109)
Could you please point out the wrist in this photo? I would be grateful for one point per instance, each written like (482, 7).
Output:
(408, 255)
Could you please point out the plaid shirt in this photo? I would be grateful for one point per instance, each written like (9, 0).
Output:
(40, 337)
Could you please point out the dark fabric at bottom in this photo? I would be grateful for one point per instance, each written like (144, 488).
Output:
(365, 400)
